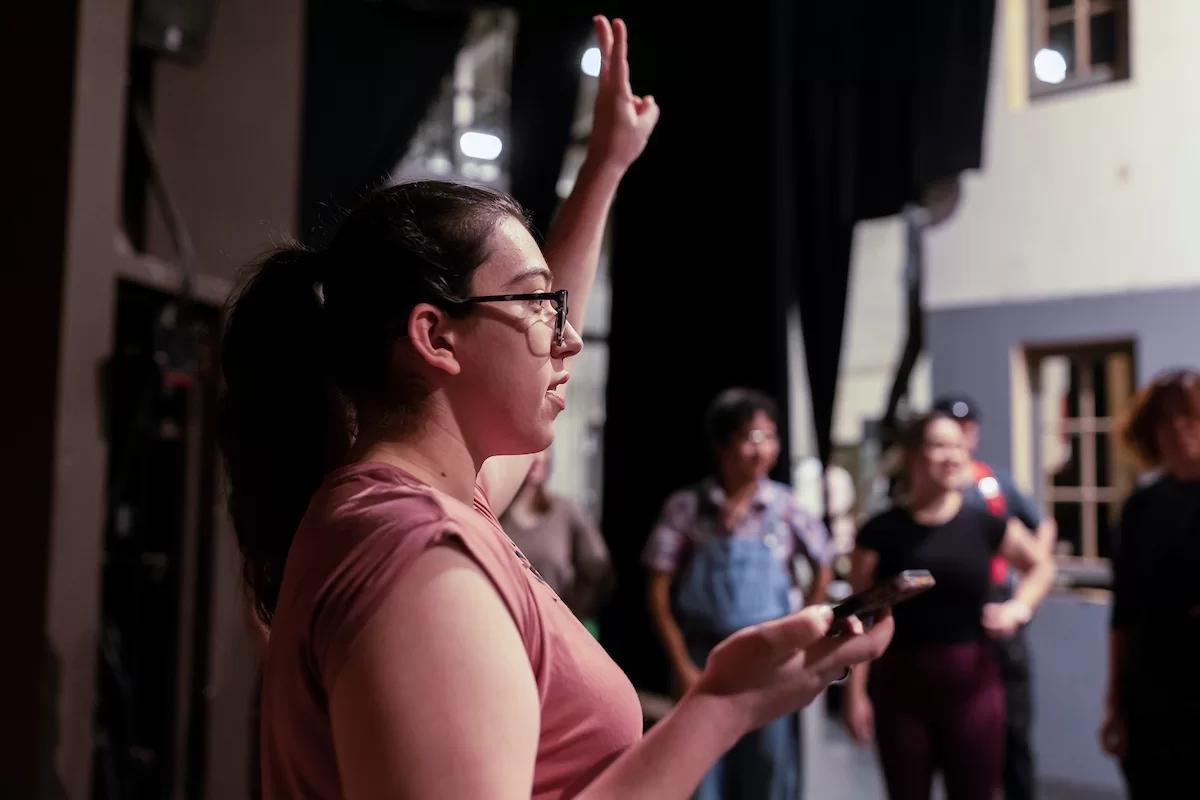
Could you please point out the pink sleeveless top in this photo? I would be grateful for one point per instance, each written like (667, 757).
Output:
(365, 525)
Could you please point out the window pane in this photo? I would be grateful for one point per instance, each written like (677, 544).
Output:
(1104, 459)
(1069, 517)
(1104, 38)
(1054, 386)
(1062, 39)
(1107, 525)
(1060, 459)
(1100, 384)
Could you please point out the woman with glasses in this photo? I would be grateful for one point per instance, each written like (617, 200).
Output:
(382, 397)
(723, 556)
(1152, 711)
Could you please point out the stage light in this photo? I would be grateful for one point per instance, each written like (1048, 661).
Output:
(1049, 66)
(591, 62)
(483, 146)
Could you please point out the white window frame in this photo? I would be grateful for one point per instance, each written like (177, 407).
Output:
(1029, 430)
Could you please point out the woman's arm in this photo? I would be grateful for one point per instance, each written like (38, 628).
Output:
(1036, 565)
(439, 676)
(658, 596)
(1032, 560)
(1118, 657)
(593, 567)
(1126, 612)
(622, 124)
(818, 591)
(857, 710)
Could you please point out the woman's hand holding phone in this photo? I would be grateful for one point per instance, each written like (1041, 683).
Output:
(766, 671)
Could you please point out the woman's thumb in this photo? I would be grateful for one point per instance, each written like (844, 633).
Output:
(797, 631)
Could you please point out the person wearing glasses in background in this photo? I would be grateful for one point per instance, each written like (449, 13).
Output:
(1152, 709)
(722, 557)
(993, 490)
(383, 397)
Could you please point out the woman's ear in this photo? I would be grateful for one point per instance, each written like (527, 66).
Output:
(432, 334)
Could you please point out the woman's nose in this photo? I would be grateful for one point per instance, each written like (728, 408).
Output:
(571, 345)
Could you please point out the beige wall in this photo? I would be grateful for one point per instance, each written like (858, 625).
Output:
(228, 133)
(1089, 192)
(77, 525)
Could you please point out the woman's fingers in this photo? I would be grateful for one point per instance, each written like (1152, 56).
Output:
(620, 56)
(830, 657)
(604, 40)
(796, 631)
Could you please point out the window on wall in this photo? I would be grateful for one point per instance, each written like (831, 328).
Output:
(1077, 43)
(1083, 472)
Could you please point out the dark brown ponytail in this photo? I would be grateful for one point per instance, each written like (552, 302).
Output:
(283, 424)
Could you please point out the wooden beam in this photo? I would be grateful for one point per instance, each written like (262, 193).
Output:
(1083, 37)
(1039, 24)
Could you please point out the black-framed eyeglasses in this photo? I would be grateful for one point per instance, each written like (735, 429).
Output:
(559, 298)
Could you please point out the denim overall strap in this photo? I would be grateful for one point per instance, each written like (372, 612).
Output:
(733, 582)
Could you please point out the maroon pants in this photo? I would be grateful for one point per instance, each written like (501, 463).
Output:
(940, 708)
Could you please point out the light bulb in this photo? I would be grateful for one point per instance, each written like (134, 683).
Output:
(591, 62)
(483, 146)
(1050, 66)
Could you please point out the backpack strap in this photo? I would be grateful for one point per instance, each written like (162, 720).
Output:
(989, 487)
(993, 496)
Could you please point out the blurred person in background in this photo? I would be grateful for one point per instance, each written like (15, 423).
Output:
(561, 542)
(723, 557)
(935, 700)
(383, 396)
(993, 490)
(1152, 709)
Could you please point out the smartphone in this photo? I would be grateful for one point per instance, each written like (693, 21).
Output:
(863, 605)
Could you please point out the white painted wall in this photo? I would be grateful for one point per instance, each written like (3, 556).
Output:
(872, 343)
(1094, 191)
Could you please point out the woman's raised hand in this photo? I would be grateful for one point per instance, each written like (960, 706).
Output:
(622, 121)
(776, 668)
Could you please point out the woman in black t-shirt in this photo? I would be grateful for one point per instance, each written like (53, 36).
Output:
(936, 701)
(1152, 712)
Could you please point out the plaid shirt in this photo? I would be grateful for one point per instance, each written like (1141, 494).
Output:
(688, 523)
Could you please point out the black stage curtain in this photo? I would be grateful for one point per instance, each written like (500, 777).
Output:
(372, 71)
(39, 42)
(697, 294)
(551, 39)
(889, 98)
(770, 148)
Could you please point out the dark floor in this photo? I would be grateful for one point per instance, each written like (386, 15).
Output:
(837, 769)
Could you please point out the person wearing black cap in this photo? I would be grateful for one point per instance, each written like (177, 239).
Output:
(994, 490)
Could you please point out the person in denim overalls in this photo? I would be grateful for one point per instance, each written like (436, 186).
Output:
(723, 556)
